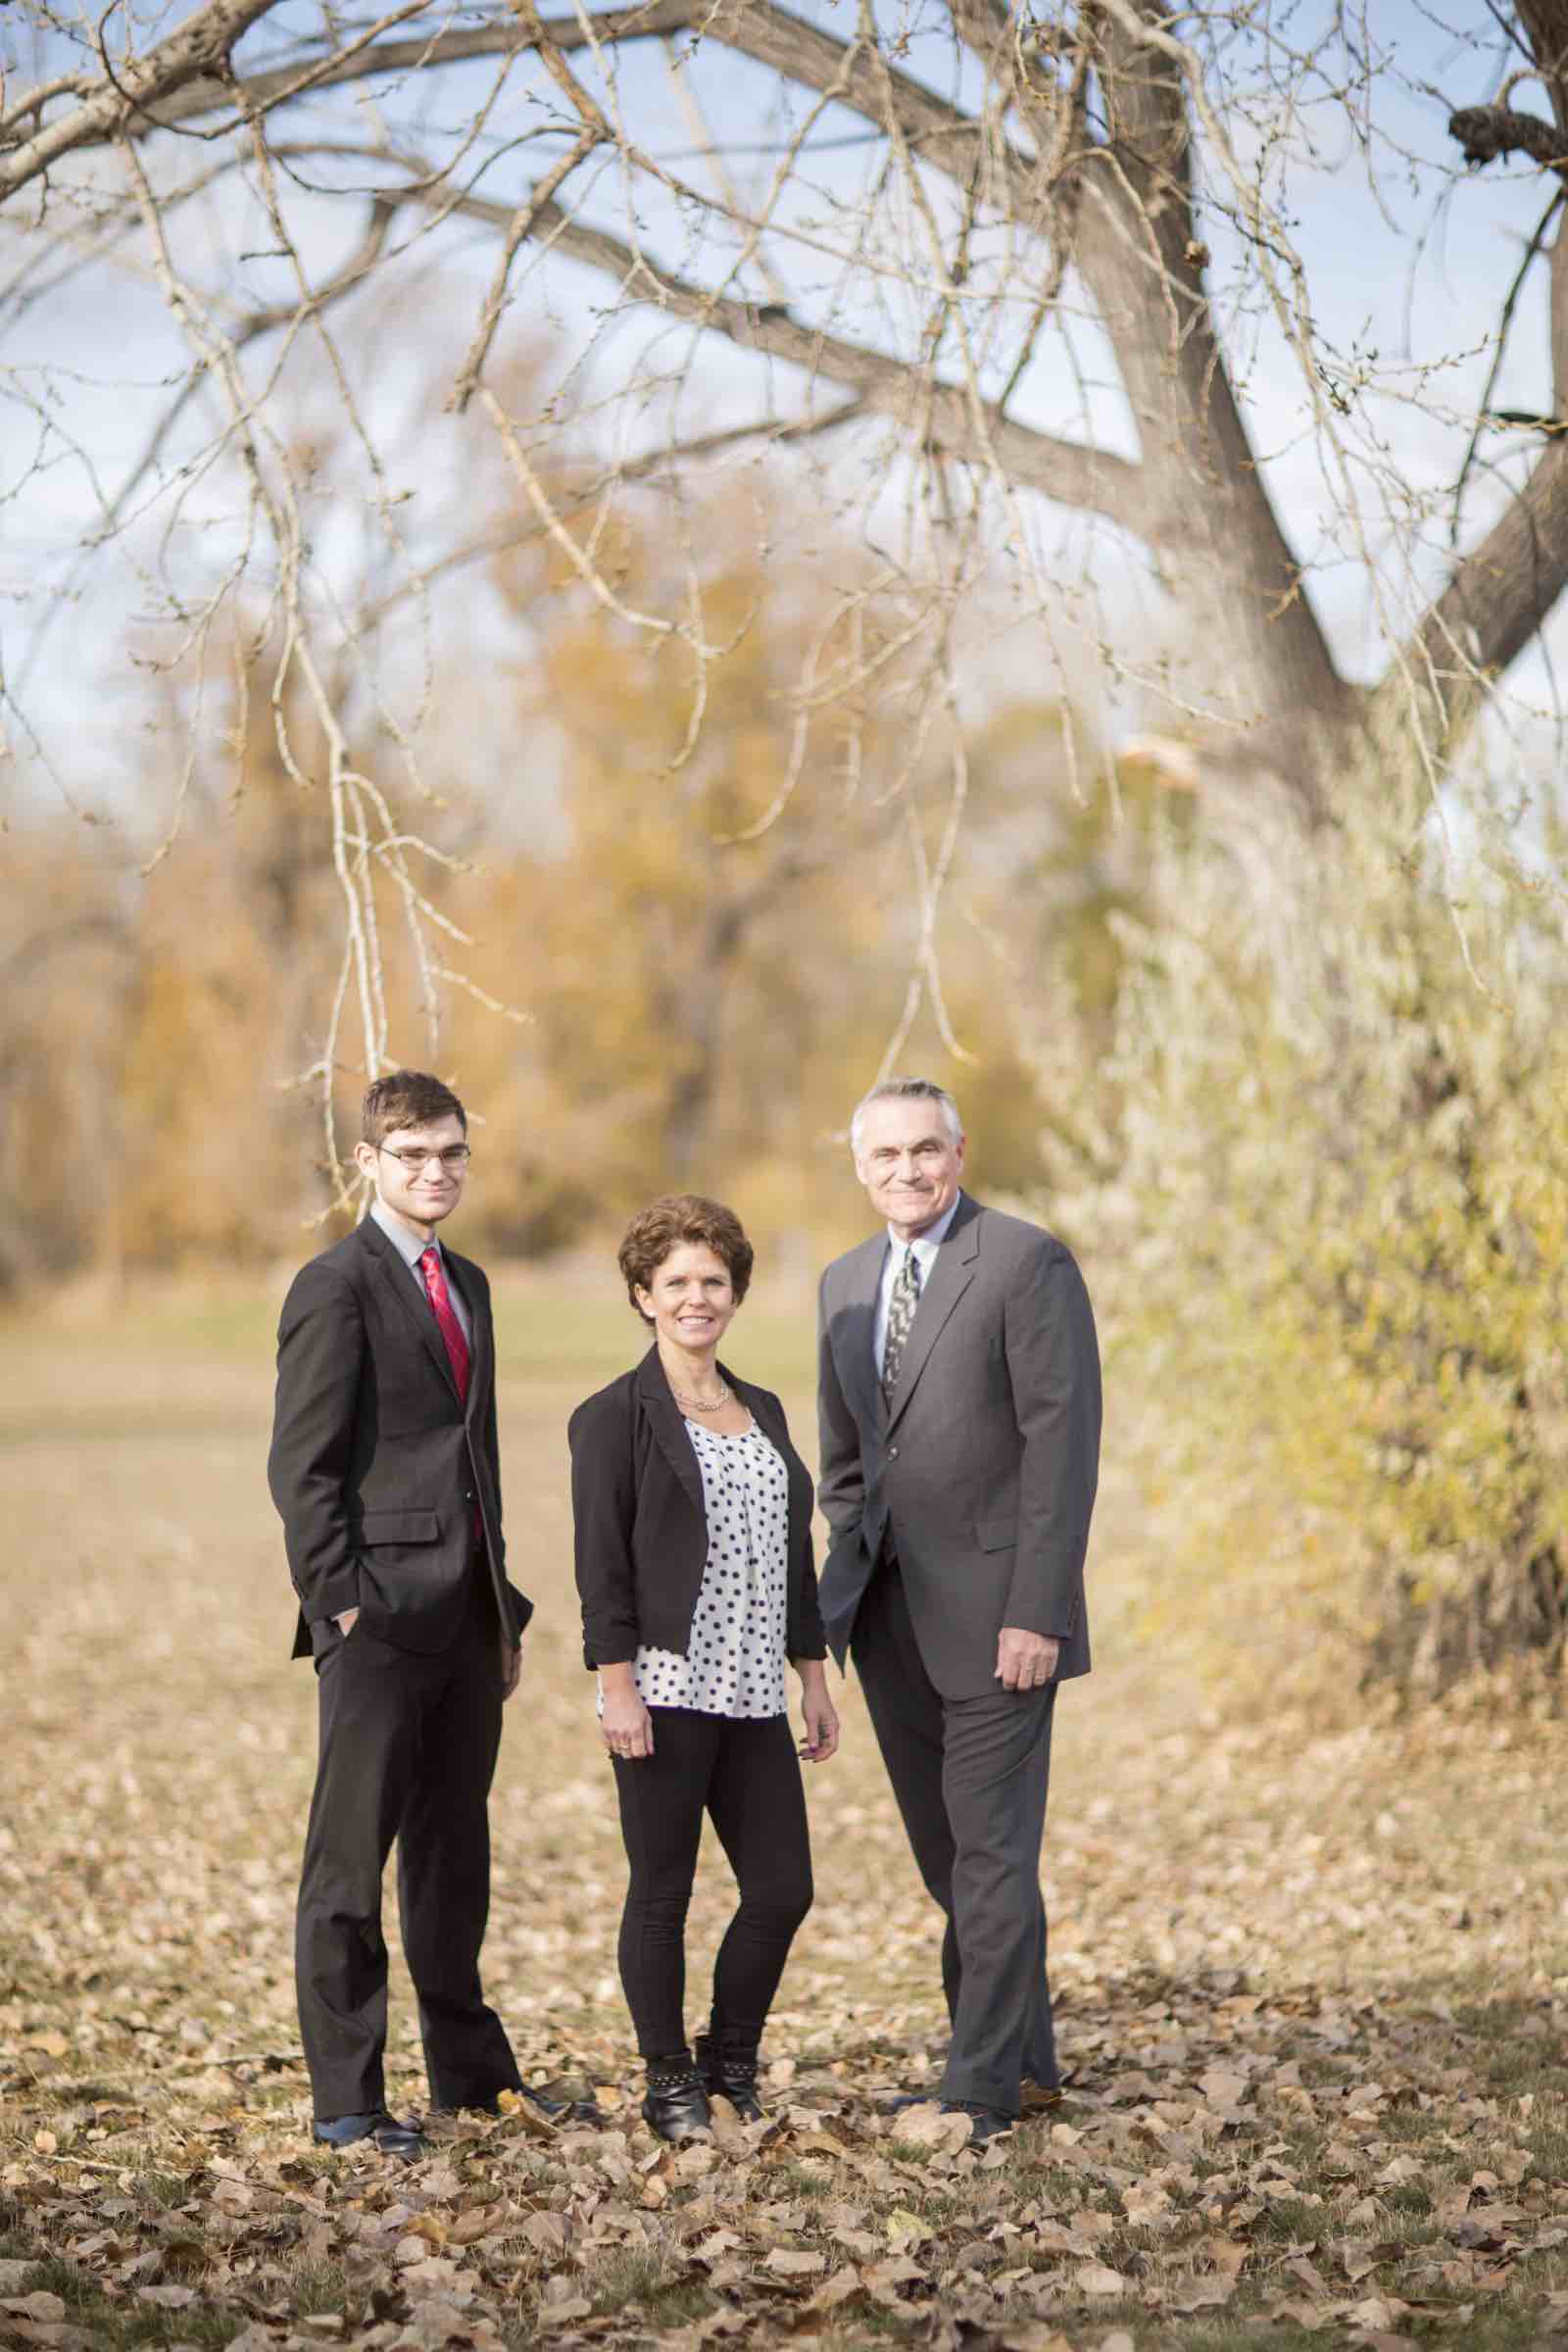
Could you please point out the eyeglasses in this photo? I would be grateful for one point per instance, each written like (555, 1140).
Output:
(455, 1158)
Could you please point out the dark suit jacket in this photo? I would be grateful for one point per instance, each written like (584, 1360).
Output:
(375, 1466)
(640, 1528)
(984, 1471)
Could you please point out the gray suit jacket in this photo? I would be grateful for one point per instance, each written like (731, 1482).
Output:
(984, 1470)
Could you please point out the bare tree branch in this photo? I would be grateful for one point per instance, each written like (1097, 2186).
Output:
(518, 230)
(1486, 615)
(630, 470)
(1071, 472)
(1095, 145)
(771, 36)
(199, 46)
(1499, 593)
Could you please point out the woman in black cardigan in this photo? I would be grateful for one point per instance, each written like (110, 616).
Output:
(694, 1562)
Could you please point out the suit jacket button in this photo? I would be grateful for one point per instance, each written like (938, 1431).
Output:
(893, 1453)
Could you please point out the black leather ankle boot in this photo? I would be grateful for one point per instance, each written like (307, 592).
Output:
(726, 2060)
(676, 2104)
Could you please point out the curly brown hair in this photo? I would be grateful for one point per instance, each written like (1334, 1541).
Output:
(664, 1224)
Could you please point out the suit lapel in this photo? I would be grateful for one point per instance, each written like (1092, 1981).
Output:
(949, 1279)
(668, 1426)
(854, 1330)
(394, 1274)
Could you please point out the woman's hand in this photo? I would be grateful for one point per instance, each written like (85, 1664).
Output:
(817, 1713)
(626, 1727)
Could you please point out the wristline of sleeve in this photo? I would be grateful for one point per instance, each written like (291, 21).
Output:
(331, 1596)
(608, 1649)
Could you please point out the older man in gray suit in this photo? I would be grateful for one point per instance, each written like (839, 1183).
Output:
(960, 1417)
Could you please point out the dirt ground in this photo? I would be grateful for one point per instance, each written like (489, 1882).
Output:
(1312, 1979)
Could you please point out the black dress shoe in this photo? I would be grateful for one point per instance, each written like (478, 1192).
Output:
(391, 2138)
(911, 2099)
(985, 2122)
(561, 2111)
(726, 2062)
(676, 2104)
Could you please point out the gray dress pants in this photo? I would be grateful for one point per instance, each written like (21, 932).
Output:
(970, 1776)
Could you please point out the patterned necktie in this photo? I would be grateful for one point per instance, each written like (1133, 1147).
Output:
(901, 1314)
(446, 1314)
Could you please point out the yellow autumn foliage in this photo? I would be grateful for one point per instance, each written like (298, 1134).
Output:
(1336, 1236)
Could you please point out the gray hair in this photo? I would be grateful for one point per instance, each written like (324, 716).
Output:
(906, 1089)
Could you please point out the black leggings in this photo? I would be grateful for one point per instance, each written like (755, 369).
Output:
(744, 1773)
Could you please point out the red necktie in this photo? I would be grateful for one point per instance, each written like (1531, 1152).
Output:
(440, 1297)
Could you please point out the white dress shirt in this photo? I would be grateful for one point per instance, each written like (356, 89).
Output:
(926, 1247)
(411, 1248)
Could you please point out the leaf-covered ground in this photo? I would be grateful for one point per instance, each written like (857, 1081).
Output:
(1313, 1980)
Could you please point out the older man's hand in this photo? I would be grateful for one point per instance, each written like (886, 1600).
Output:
(1025, 1661)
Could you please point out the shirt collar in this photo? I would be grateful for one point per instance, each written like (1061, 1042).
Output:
(927, 1245)
(402, 1238)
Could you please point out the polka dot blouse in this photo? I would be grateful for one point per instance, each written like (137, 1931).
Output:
(735, 1663)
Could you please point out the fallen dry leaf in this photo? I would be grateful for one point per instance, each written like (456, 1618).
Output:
(927, 2127)
(560, 2315)
(523, 2112)
(835, 2291)
(1376, 2312)
(1204, 2103)
(1098, 2278)
(790, 2264)
(897, 2270)
(40, 2305)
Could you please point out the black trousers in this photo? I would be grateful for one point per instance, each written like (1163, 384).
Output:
(408, 1750)
(970, 1778)
(745, 1774)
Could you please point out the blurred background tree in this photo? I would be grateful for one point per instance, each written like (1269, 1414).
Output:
(684, 958)
(1326, 1191)
(661, 621)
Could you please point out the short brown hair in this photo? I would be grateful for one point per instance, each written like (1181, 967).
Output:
(407, 1099)
(664, 1224)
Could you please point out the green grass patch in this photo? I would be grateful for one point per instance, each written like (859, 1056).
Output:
(647, 2279)
(121, 2323)
(1289, 2220)
(807, 2180)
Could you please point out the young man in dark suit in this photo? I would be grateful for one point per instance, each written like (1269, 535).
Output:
(959, 1408)
(385, 1471)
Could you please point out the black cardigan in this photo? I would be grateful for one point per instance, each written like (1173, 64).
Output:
(641, 1528)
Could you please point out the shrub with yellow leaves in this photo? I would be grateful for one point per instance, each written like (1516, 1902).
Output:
(1335, 1245)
